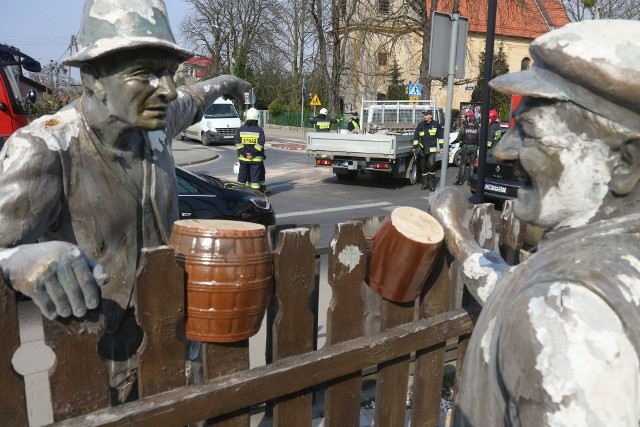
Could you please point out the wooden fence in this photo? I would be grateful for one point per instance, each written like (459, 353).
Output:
(364, 332)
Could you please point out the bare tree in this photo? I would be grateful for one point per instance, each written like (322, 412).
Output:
(579, 10)
(225, 29)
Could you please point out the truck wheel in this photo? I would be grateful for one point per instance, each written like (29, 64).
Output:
(205, 139)
(347, 176)
(413, 173)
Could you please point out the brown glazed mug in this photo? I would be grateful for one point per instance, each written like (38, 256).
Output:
(228, 277)
(403, 253)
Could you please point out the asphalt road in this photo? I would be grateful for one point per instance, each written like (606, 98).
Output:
(302, 193)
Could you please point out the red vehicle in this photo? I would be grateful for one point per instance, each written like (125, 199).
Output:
(13, 109)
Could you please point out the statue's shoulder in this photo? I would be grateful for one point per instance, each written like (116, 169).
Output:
(53, 132)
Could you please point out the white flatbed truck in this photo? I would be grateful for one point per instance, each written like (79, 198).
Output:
(384, 147)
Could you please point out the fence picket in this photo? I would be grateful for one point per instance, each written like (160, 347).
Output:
(76, 391)
(347, 268)
(392, 381)
(13, 403)
(482, 225)
(293, 329)
(160, 310)
(429, 364)
(225, 359)
(511, 234)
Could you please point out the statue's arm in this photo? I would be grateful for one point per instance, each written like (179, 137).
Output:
(564, 359)
(194, 99)
(59, 278)
(480, 268)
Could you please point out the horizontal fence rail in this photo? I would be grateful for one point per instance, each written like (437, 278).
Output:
(181, 382)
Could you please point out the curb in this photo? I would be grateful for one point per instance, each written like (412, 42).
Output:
(195, 162)
(287, 146)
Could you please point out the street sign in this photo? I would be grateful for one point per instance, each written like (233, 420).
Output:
(315, 101)
(414, 99)
(441, 43)
(415, 89)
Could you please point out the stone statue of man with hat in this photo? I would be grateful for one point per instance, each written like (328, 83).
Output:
(84, 190)
(558, 339)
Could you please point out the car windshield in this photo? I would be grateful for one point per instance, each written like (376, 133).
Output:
(221, 111)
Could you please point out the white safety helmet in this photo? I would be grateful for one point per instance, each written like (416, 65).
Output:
(252, 114)
(323, 111)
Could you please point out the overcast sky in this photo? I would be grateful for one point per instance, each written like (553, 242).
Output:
(43, 28)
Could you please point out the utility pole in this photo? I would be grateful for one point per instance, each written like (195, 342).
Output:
(72, 44)
(486, 93)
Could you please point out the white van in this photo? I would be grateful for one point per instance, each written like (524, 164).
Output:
(219, 124)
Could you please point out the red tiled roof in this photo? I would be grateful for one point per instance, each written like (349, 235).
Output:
(198, 61)
(522, 18)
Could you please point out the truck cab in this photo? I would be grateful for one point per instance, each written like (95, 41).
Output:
(13, 107)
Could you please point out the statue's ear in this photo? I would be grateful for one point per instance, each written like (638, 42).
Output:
(91, 81)
(626, 173)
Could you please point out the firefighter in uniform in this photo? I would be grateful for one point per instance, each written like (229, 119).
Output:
(427, 139)
(495, 130)
(250, 141)
(321, 122)
(354, 123)
(468, 135)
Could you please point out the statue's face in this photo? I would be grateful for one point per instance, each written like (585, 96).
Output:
(138, 86)
(567, 171)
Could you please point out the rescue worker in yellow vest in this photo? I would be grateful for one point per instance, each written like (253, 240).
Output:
(427, 140)
(250, 141)
(354, 123)
(321, 122)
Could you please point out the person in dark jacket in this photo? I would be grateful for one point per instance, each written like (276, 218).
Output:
(321, 122)
(495, 129)
(354, 123)
(250, 141)
(468, 135)
(427, 139)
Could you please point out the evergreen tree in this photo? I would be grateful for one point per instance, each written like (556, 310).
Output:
(499, 101)
(396, 89)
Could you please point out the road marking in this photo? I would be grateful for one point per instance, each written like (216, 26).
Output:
(343, 208)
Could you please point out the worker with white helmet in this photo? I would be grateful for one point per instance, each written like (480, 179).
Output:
(250, 141)
(321, 122)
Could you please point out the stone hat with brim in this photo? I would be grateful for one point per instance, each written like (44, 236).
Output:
(113, 25)
(594, 64)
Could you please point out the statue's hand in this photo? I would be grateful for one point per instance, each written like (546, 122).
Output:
(57, 276)
(449, 206)
(235, 87)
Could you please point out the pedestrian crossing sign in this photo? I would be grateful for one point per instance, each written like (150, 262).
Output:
(415, 89)
(315, 100)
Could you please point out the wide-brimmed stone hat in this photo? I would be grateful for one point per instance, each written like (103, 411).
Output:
(595, 64)
(111, 25)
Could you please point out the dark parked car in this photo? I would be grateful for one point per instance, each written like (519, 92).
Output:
(205, 197)
(501, 182)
